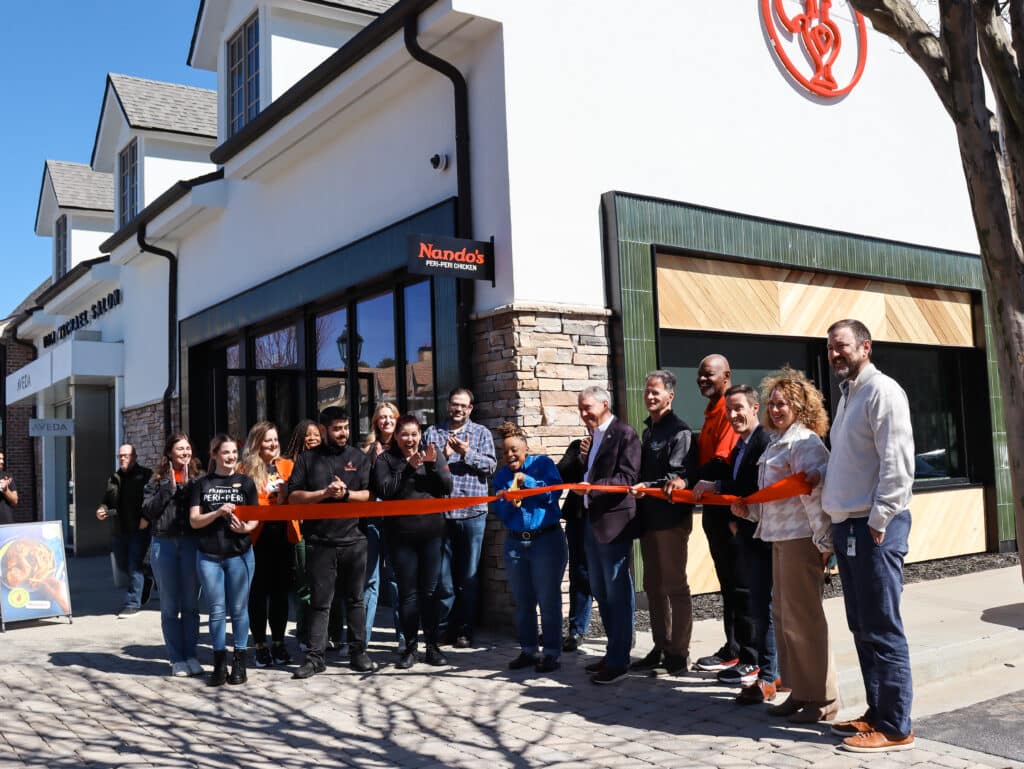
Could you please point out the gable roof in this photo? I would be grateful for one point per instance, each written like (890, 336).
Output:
(157, 106)
(76, 185)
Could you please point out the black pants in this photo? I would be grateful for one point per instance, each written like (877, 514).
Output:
(340, 569)
(417, 563)
(715, 521)
(580, 598)
(754, 630)
(271, 584)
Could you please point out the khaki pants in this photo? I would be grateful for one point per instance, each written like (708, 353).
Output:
(801, 630)
(668, 593)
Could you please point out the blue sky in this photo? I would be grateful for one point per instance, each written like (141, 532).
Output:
(54, 57)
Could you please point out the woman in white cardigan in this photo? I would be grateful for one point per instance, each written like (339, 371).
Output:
(801, 537)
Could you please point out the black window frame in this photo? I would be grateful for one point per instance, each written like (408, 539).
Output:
(60, 246)
(243, 62)
(128, 182)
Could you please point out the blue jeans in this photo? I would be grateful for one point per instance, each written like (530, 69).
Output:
(872, 586)
(460, 561)
(129, 554)
(581, 601)
(612, 584)
(534, 570)
(380, 575)
(226, 584)
(174, 567)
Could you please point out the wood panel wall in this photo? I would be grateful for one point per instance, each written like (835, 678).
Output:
(696, 294)
(945, 524)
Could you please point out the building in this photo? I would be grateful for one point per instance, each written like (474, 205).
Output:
(658, 184)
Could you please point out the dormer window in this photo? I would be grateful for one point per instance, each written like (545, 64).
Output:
(60, 247)
(128, 183)
(244, 75)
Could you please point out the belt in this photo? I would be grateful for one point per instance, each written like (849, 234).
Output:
(529, 536)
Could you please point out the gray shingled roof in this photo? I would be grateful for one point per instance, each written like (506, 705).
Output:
(78, 186)
(167, 106)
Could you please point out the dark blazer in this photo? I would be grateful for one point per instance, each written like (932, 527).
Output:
(617, 463)
(571, 469)
(746, 477)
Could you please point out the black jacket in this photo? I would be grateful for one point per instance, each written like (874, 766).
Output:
(125, 491)
(314, 470)
(394, 478)
(571, 468)
(667, 451)
(166, 505)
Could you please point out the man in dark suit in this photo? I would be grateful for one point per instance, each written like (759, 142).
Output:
(612, 458)
(757, 668)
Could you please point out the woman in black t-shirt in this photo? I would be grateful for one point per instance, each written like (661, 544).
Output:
(415, 541)
(225, 560)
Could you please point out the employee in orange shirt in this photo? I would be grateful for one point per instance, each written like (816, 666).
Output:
(715, 444)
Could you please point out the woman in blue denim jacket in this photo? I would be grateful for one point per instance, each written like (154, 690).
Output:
(535, 549)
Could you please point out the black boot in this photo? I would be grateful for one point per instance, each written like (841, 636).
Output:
(219, 674)
(238, 675)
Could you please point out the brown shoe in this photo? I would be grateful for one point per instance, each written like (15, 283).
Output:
(780, 688)
(813, 712)
(787, 708)
(877, 742)
(758, 692)
(850, 728)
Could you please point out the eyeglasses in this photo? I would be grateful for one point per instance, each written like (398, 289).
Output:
(462, 406)
(124, 456)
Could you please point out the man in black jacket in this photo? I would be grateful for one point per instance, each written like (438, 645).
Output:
(667, 446)
(581, 599)
(129, 542)
(613, 459)
(333, 472)
(756, 670)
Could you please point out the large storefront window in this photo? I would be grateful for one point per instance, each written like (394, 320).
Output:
(932, 377)
(371, 349)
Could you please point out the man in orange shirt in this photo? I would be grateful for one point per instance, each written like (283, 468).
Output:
(715, 444)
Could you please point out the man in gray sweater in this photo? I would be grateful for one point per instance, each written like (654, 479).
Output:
(867, 494)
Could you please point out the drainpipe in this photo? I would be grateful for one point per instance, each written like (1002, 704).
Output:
(172, 320)
(464, 207)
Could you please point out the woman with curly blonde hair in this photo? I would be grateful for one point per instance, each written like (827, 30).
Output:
(801, 536)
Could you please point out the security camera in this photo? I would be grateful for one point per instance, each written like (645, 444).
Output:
(439, 162)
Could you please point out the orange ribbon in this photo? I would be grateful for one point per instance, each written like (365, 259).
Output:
(792, 486)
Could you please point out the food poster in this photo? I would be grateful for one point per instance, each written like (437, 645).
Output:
(33, 572)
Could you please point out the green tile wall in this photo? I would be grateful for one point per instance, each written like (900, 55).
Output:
(642, 223)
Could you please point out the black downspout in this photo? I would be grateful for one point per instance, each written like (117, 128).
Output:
(37, 513)
(172, 321)
(464, 182)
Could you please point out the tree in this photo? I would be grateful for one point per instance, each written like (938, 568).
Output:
(975, 40)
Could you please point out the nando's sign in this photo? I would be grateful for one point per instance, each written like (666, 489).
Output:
(451, 257)
(811, 46)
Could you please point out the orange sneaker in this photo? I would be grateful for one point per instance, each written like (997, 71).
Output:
(850, 728)
(877, 742)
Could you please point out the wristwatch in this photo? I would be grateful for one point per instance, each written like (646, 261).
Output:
(346, 495)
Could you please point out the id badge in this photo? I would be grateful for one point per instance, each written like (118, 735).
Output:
(851, 547)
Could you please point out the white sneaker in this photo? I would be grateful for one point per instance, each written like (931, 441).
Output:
(194, 668)
(180, 669)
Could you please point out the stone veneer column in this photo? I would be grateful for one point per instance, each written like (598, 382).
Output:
(531, 362)
(24, 454)
(144, 429)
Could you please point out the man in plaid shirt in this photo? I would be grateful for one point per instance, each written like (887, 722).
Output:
(469, 449)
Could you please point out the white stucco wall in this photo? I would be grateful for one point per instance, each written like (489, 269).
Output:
(163, 163)
(85, 233)
(685, 101)
(299, 42)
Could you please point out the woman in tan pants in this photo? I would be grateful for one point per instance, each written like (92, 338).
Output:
(801, 537)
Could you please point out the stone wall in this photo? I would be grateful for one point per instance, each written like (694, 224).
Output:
(22, 453)
(532, 363)
(143, 428)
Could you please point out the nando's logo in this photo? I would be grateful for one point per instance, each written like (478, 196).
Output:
(810, 44)
(451, 257)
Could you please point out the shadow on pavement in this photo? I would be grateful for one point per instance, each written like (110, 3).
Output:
(1011, 615)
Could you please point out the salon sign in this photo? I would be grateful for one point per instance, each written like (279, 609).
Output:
(822, 44)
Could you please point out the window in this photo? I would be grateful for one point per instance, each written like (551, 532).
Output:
(60, 247)
(949, 446)
(244, 75)
(419, 353)
(128, 182)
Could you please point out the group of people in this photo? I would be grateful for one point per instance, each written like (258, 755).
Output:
(771, 559)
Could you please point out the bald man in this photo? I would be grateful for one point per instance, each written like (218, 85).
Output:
(715, 444)
(129, 539)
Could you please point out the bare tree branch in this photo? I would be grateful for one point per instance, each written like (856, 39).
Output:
(900, 21)
(998, 58)
(1016, 14)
